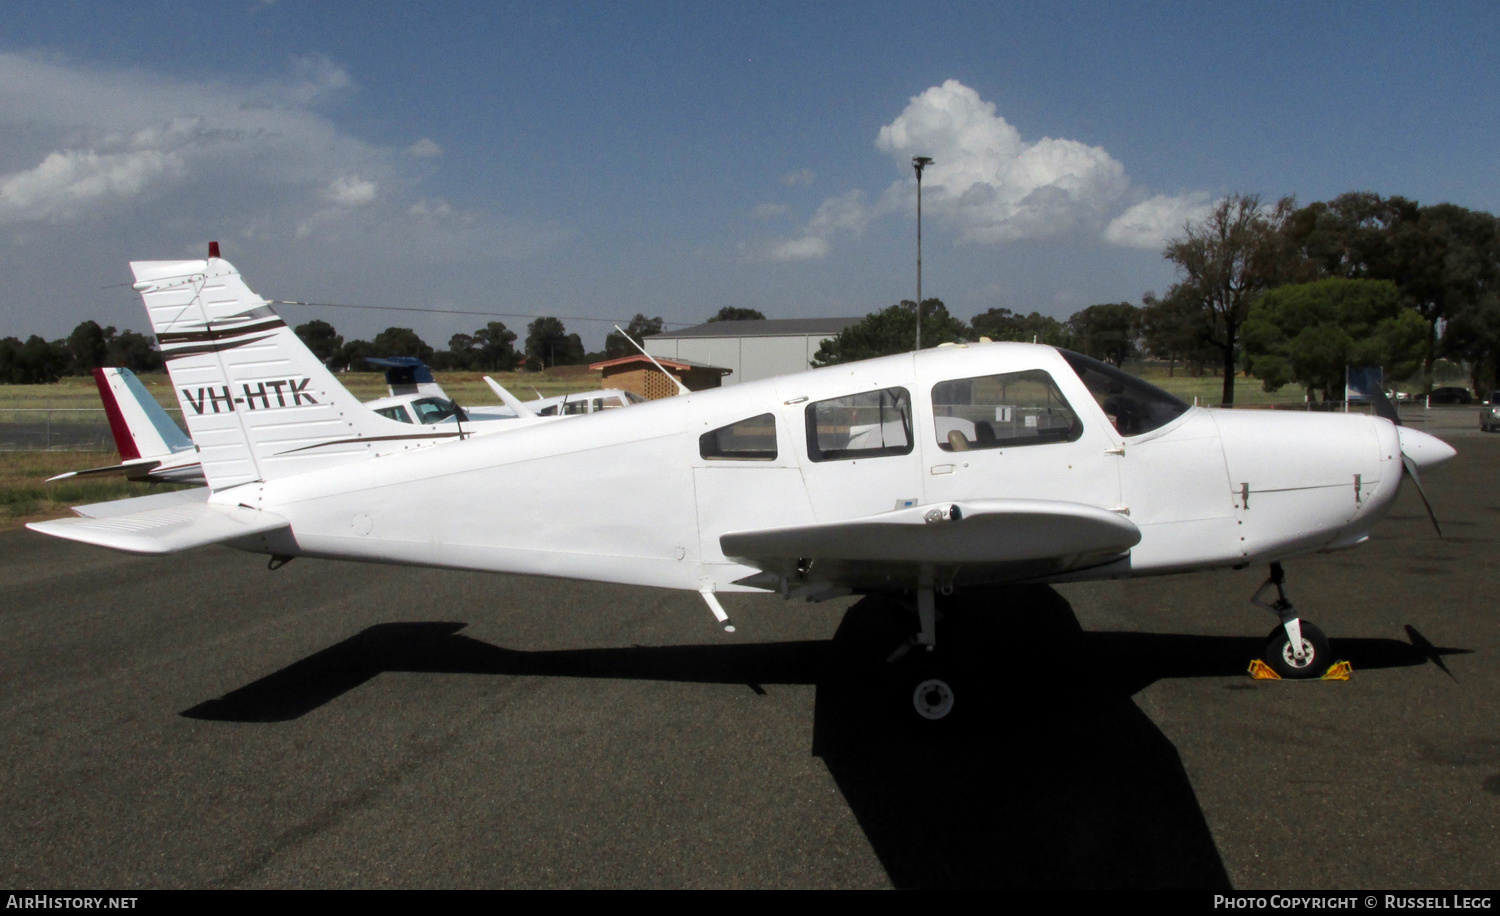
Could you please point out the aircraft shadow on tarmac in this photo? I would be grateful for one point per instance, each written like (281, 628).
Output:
(1046, 775)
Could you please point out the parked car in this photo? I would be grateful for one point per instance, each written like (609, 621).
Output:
(1489, 414)
(1450, 396)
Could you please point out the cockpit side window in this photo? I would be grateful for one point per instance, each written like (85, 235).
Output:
(1002, 411)
(872, 424)
(747, 440)
(1133, 406)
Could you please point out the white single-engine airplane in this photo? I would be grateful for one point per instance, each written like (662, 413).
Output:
(919, 474)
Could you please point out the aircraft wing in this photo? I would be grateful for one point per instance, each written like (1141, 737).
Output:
(164, 527)
(977, 540)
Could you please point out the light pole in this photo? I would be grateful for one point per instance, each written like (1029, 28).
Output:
(919, 163)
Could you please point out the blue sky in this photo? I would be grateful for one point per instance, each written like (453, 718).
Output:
(602, 159)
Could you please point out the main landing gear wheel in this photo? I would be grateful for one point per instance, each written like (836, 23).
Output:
(932, 697)
(1315, 658)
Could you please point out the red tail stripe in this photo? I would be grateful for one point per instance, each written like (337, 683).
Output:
(124, 441)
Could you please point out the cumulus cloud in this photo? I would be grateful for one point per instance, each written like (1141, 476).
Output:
(130, 163)
(807, 248)
(769, 211)
(846, 213)
(1157, 220)
(989, 182)
(424, 149)
(799, 177)
(70, 181)
(990, 185)
(350, 191)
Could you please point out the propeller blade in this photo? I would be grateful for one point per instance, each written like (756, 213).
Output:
(1411, 468)
(1383, 406)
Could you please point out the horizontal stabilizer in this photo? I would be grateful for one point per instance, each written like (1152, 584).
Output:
(133, 467)
(188, 497)
(168, 529)
(1005, 537)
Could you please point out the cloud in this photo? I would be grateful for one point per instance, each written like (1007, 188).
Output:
(114, 152)
(800, 177)
(424, 149)
(71, 181)
(1155, 221)
(807, 248)
(990, 185)
(847, 213)
(351, 191)
(768, 211)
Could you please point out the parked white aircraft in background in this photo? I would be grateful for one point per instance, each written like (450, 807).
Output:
(152, 446)
(919, 474)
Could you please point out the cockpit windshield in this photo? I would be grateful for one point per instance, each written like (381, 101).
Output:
(436, 410)
(1133, 406)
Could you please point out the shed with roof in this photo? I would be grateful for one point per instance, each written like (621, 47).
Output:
(750, 349)
(636, 373)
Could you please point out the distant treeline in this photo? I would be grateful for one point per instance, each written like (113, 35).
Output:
(1289, 295)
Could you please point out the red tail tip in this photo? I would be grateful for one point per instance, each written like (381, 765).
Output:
(213, 249)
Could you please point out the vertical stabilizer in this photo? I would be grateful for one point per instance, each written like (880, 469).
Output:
(142, 429)
(257, 402)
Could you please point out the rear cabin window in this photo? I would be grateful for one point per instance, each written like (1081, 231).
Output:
(1002, 411)
(1133, 406)
(868, 425)
(748, 440)
(395, 413)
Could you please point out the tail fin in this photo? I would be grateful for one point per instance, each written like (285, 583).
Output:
(142, 429)
(257, 402)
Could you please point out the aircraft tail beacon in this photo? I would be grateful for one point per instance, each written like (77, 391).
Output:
(255, 399)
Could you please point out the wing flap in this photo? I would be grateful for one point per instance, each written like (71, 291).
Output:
(165, 529)
(997, 538)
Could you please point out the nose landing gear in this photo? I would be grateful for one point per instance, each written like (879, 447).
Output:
(1296, 649)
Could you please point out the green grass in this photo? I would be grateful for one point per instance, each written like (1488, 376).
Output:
(25, 495)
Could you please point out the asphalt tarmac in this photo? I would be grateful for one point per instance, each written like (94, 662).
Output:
(202, 722)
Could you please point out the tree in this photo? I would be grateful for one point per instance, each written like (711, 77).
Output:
(1175, 328)
(1449, 263)
(549, 344)
(321, 339)
(735, 313)
(136, 352)
(1228, 258)
(352, 356)
(1003, 324)
(1309, 333)
(1442, 257)
(1106, 332)
(1473, 334)
(401, 342)
(891, 330)
(496, 345)
(615, 344)
(1351, 236)
(35, 362)
(88, 347)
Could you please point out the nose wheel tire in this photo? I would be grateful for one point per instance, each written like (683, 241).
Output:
(1315, 658)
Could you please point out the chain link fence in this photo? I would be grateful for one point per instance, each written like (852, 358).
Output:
(41, 429)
